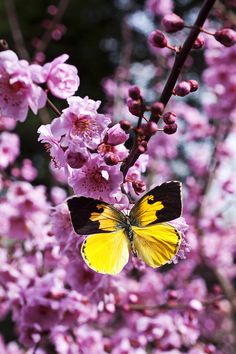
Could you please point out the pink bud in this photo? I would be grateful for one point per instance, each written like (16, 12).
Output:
(139, 186)
(135, 107)
(157, 39)
(199, 42)
(111, 159)
(182, 89)
(125, 125)
(194, 85)
(134, 92)
(170, 128)
(150, 128)
(116, 135)
(172, 23)
(226, 36)
(157, 108)
(169, 117)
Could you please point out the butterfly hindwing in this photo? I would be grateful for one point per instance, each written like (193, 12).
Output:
(90, 216)
(106, 253)
(161, 204)
(156, 244)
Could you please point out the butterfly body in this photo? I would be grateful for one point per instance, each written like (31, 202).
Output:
(145, 231)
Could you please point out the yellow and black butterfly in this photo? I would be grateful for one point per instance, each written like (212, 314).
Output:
(146, 231)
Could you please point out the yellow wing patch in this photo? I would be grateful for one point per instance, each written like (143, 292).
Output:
(106, 253)
(161, 204)
(90, 216)
(156, 244)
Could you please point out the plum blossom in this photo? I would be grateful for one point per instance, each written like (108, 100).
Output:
(97, 180)
(18, 92)
(82, 121)
(9, 148)
(62, 79)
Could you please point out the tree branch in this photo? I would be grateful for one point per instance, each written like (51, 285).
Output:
(174, 74)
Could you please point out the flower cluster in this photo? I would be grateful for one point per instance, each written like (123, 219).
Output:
(19, 89)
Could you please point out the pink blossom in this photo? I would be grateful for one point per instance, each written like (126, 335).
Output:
(62, 79)
(159, 7)
(18, 92)
(81, 121)
(9, 148)
(97, 180)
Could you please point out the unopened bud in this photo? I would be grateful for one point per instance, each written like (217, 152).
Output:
(139, 186)
(194, 85)
(134, 92)
(111, 159)
(135, 107)
(172, 23)
(125, 125)
(157, 108)
(157, 39)
(150, 128)
(169, 117)
(141, 149)
(226, 36)
(199, 42)
(182, 89)
(170, 128)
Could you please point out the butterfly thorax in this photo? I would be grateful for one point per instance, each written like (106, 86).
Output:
(130, 234)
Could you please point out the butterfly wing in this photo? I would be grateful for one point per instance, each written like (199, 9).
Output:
(90, 216)
(163, 203)
(156, 244)
(106, 253)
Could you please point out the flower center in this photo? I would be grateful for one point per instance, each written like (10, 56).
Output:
(81, 124)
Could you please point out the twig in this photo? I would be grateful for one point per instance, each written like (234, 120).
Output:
(47, 36)
(174, 74)
(16, 30)
(53, 107)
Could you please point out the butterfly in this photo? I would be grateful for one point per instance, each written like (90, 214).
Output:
(145, 231)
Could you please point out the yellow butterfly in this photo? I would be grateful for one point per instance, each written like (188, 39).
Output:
(146, 231)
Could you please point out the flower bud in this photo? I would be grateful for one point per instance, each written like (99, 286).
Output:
(157, 39)
(170, 128)
(226, 36)
(194, 85)
(182, 89)
(150, 128)
(134, 92)
(169, 117)
(116, 135)
(157, 108)
(139, 186)
(125, 125)
(172, 23)
(111, 159)
(199, 42)
(141, 149)
(135, 107)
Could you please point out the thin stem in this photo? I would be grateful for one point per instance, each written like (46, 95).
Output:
(53, 107)
(174, 74)
(16, 30)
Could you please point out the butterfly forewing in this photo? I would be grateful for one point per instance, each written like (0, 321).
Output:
(163, 203)
(90, 216)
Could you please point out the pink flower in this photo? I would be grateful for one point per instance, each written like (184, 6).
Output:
(9, 148)
(18, 93)
(81, 121)
(62, 79)
(97, 180)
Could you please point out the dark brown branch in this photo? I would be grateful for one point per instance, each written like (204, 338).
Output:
(174, 74)
(16, 30)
